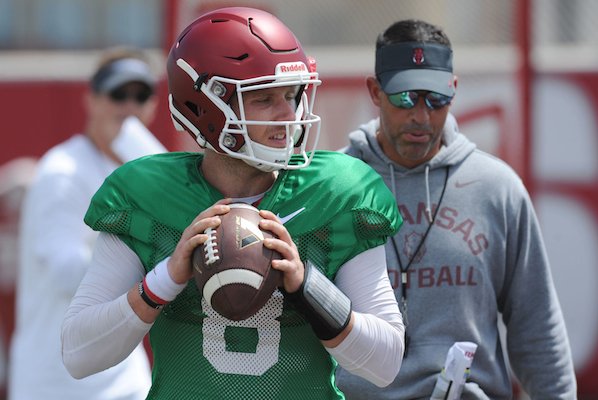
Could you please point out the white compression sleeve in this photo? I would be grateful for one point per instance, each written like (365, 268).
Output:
(374, 347)
(100, 328)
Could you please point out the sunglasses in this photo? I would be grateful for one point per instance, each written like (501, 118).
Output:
(407, 100)
(121, 95)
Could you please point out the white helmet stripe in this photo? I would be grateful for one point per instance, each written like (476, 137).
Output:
(187, 68)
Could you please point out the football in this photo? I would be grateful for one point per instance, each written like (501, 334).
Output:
(232, 269)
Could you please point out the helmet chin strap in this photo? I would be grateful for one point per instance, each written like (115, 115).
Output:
(275, 155)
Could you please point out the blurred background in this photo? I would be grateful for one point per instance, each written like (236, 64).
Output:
(528, 93)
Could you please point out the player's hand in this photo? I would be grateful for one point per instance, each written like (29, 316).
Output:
(290, 264)
(179, 265)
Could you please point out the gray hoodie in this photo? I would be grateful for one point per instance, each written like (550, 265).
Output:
(483, 258)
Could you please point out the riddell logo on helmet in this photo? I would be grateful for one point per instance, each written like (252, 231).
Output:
(289, 68)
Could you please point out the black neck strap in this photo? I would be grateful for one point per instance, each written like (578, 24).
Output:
(421, 243)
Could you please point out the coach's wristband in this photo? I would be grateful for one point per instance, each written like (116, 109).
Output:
(323, 305)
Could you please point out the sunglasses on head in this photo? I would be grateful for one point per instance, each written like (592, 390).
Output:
(408, 99)
(120, 95)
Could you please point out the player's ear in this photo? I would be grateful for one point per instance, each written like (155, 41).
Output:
(374, 90)
(455, 81)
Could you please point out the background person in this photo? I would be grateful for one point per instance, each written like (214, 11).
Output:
(240, 84)
(56, 245)
(471, 246)
(15, 177)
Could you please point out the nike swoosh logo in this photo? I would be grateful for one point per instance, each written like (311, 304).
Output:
(460, 185)
(289, 217)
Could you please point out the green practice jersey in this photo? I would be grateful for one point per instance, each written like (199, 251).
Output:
(339, 207)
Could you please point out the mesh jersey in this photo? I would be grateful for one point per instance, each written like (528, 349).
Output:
(274, 354)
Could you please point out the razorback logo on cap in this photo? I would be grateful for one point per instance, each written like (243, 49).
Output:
(418, 56)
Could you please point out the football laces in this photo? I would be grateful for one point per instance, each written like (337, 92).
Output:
(210, 247)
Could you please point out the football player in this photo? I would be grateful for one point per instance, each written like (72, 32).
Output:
(242, 86)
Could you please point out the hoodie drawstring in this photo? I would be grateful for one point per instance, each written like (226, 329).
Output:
(427, 181)
(428, 210)
(392, 180)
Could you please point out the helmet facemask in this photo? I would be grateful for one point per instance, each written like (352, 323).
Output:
(236, 127)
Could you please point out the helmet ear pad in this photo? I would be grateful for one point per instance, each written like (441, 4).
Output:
(203, 113)
(206, 126)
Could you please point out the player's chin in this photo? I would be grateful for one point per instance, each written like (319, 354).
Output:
(119, 119)
(277, 144)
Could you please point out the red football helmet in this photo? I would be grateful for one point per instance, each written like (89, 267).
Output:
(226, 53)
